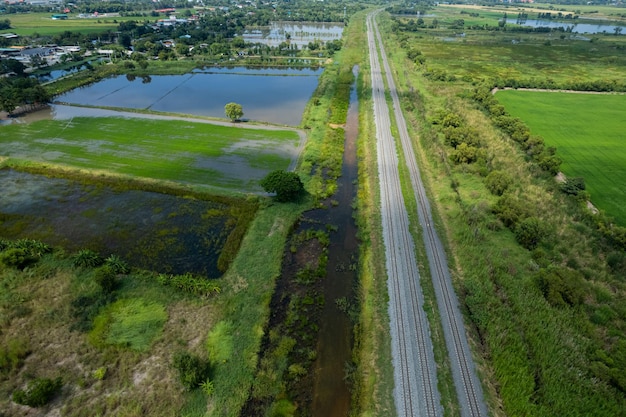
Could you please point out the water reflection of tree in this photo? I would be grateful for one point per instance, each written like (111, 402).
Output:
(146, 79)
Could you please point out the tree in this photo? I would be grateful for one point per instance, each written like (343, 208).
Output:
(11, 65)
(286, 185)
(529, 232)
(498, 182)
(233, 111)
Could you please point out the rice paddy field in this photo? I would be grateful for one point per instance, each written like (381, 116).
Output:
(588, 132)
(196, 154)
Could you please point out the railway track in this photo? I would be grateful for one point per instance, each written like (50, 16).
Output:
(415, 391)
(414, 368)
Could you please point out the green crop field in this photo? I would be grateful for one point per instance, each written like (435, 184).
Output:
(174, 150)
(588, 132)
(27, 24)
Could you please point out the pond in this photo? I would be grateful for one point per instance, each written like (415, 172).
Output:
(576, 27)
(267, 95)
(56, 74)
(300, 33)
(155, 231)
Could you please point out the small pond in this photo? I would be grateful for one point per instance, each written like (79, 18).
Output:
(267, 95)
(576, 27)
(150, 230)
(300, 33)
(55, 74)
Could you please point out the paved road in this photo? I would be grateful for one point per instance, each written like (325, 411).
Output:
(414, 367)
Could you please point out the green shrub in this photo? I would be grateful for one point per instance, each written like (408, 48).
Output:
(464, 154)
(510, 209)
(117, 264)
(561, 286)
(16, 258)
(192, 370)
(497, 182)
(34, 248)
(12, 355)
(573, 186)
(529, 232)
(106, 278)
(87, 258)
(616, 261)
(188, 283)
(39, 392)
(100, 373)
(207, 387)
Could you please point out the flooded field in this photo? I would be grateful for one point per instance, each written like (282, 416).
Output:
(150, 230)
(267, 95)
(298, 33)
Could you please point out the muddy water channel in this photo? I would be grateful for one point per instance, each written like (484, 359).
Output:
(331, 395)
(150, 230)
(309, 335)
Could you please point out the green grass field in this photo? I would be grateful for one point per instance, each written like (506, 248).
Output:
(27, 24)
(193, 153)
(588, 132)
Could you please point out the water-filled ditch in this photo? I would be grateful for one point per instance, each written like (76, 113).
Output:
(150, 230)
(313, 302)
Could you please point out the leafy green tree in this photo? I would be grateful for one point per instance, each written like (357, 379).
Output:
(233, 111)
(286, 185)
(12, 65)
(464, 154)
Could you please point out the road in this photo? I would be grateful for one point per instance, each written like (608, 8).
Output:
(415, 391)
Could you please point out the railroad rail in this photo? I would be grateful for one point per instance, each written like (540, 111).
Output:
(406, 299)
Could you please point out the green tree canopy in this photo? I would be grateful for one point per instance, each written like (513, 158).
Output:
(286, 185)
(233, 111)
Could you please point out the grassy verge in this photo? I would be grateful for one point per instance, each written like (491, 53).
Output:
(374, 390)
(248, 287)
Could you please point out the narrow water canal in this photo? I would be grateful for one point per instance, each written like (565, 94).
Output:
(310, 308)
(331, 395)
